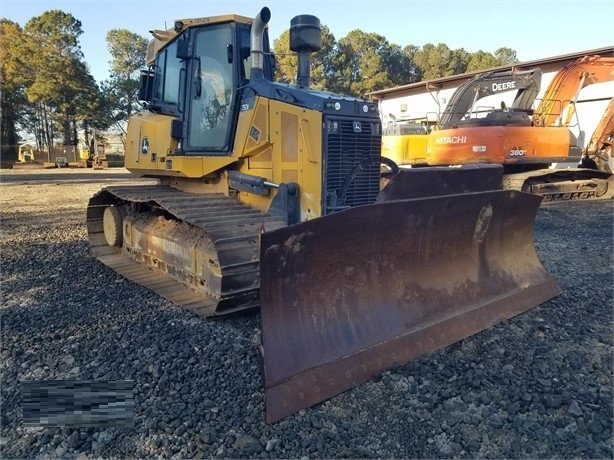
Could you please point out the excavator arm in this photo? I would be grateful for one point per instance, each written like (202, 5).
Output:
(600, 145)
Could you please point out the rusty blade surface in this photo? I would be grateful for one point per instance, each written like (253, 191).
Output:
(347, 296)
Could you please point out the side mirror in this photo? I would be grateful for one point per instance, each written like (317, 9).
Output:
(147, 84)
(182, 50)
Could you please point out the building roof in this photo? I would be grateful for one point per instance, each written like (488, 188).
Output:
(608, 50)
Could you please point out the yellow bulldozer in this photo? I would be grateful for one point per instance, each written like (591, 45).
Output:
(269, 196)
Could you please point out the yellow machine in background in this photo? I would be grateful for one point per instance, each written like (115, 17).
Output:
(269, 196)
(25, 154)
(93, 154)
(26, 158)
(405, 141)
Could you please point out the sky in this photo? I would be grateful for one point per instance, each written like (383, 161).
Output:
(535, 29)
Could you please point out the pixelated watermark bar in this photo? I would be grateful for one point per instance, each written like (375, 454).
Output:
(76, 403)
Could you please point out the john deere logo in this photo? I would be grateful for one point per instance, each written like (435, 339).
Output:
(145, 146)
(357, 127)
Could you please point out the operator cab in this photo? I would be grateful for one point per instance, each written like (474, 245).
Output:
(196, 77)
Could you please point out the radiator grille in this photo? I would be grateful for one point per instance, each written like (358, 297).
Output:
(352, 149)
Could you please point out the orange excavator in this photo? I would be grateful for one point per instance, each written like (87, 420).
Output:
(405, 142)
(527, 146)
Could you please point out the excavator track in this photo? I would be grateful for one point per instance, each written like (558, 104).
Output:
(207, 259)
(563, 184)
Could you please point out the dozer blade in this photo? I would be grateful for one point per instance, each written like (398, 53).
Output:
(442, 180)
(349, 295)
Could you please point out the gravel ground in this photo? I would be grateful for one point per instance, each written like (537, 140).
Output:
(536, 386)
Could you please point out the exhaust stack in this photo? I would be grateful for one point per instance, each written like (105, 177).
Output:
(305, 38)
(257, 42)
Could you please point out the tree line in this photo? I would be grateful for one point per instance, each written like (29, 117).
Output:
(362, 62)
(47, 90)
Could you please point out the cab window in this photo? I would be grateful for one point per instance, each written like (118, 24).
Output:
(167, 75)
(213, 90)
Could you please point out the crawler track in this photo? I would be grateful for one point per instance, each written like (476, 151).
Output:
(232, 228)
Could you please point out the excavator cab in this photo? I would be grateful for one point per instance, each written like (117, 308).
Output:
(269, 197)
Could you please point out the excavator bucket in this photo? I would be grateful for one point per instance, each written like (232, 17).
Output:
(347, 296)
